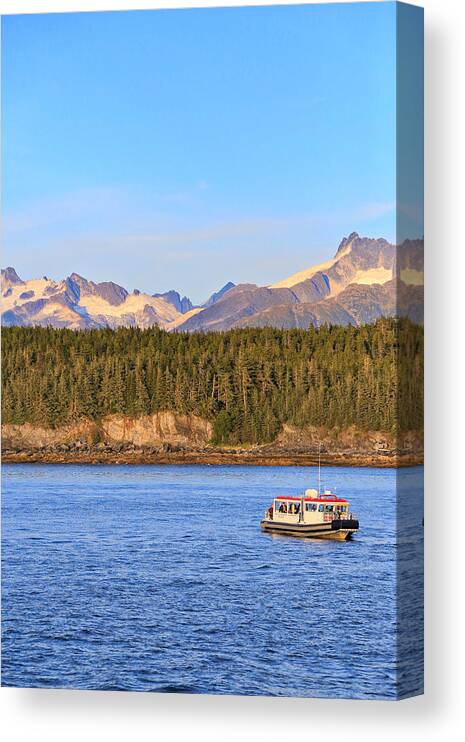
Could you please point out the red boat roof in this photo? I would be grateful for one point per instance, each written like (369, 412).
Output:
(321, 498)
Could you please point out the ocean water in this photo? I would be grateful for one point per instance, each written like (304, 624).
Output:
(158, 578)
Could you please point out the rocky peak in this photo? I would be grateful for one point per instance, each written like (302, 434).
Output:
(78, 280)
(186, 305)
(347, 241)
(111, 292)
(174, 298)
(10, 277)
(219, 294)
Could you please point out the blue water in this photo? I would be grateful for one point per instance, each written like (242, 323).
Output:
(158, 578)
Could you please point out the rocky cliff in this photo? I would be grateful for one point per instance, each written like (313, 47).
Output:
(170, 438)
(153, 430)
(348, 441)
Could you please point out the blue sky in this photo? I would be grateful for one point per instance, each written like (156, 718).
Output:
(183, 149)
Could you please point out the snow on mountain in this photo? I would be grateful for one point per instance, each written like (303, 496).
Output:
(173, 297)
(80, 304)
(357, 260)
(306, 274)
(365, 279)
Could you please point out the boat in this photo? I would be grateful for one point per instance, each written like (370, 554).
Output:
(312, 515)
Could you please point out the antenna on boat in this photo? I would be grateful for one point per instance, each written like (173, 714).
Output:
(319, 468)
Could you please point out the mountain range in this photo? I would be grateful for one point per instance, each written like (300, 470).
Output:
(367, 278)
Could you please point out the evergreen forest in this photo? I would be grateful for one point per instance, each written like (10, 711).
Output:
(247, 382)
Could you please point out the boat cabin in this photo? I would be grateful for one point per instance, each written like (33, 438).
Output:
(310, 508)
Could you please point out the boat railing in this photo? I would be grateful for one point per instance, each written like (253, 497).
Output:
(337, 515)
(349, 516)
(329, 516)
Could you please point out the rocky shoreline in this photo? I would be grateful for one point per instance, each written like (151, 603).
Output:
(168, 454)
(168, 438)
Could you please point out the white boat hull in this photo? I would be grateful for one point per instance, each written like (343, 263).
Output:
(340, 530)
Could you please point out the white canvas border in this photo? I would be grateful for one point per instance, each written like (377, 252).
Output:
(75, 715)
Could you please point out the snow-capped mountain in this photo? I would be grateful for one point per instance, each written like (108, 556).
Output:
(78, 303)
(365, 279)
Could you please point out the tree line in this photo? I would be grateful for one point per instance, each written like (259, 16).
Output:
(248, 382)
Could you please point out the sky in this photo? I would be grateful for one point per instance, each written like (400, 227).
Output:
(184, 149)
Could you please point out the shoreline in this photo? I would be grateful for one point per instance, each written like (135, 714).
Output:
(216, 458)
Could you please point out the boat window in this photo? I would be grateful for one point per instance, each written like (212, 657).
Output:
(283, 507)
(321, 508)
(311, 506)
(342, 508)
(329, 508)
(297, 508)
